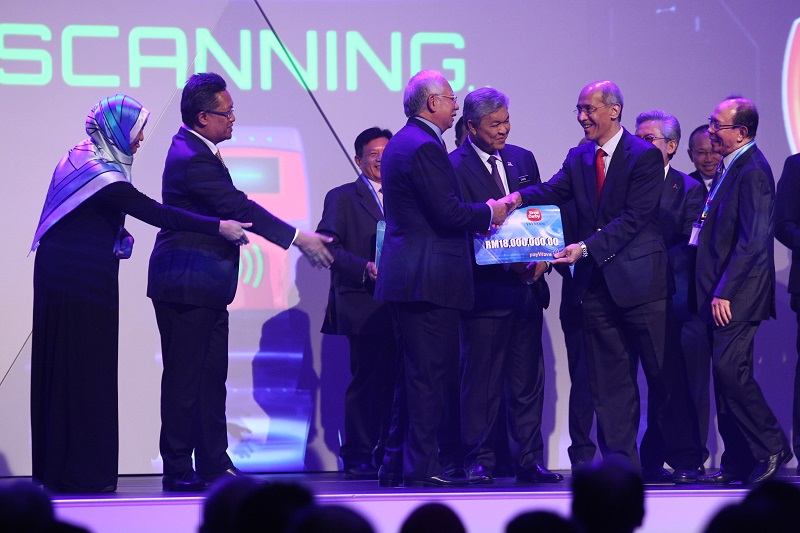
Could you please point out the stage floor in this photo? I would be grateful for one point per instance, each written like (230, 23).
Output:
(139, 505)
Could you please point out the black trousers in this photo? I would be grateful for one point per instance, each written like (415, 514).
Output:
(194, 346)
(617, 339)
(749, 429)
(502, 355)
(696, 347)
(368, 398)
(795, 303)
(581, 407)
(424, 435)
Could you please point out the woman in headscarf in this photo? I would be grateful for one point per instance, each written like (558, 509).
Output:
(79, 241)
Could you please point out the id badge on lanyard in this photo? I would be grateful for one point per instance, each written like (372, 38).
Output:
(695, 232)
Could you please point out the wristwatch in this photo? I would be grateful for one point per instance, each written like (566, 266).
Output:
(584, 250)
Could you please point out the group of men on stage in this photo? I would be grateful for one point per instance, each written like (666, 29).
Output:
(654, 256)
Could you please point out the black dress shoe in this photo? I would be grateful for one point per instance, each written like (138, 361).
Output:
(388, 478)
(442, 480)
(187, 482)
(578, 466)
(656, 475)
(480, 475)
(720, 478)
(538, 474)
(361, 471)
(684, 476)
(230, 472)
(769, 467)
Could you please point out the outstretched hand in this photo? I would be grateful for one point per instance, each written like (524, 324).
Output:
(569, 255)
(313, 247)
(513, 200)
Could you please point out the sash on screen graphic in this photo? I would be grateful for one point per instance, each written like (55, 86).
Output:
(532, 233)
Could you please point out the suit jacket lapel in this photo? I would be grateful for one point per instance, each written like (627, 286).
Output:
(479, 173)
(200, 147)
(618, 164)
(512, 174)
(427, 129)
(730, 178)
(590, 178)
(670, 190)
(367, 200)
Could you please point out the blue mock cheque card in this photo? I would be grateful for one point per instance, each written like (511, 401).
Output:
(532, 233)
(381, 230)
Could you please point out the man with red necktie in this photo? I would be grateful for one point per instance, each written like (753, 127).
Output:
(620, 272)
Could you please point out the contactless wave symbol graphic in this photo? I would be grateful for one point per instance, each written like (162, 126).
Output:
(251, 266)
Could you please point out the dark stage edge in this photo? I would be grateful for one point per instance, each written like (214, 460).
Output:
(139, 505)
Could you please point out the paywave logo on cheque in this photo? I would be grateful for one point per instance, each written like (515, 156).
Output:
(791, 87)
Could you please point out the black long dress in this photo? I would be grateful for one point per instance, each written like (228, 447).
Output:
(74, 419)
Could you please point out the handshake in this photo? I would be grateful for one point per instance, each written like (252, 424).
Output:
(503, 207)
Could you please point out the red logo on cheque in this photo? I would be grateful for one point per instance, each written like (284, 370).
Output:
(535, 215)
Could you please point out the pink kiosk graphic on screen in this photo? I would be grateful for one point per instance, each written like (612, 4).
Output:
(269, 413)
(267, 164)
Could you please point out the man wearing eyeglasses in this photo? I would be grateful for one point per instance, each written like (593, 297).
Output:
(620, 270)
(681, 201)
(425, 275)
(704, 158)
(736, 291)
(191, 281)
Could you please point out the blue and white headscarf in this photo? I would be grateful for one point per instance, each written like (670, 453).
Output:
(104, 158)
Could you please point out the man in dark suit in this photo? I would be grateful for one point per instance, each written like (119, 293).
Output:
(787, 231)
(704, 158)
(501, 336)
(620, 270)
(736, 291)
(681, 201)
(192, 278)
(425, 274)
(350, 218)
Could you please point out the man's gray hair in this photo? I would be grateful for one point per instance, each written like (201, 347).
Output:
(482, 102)
(611, 94)
(670, 128)
(423, 84)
